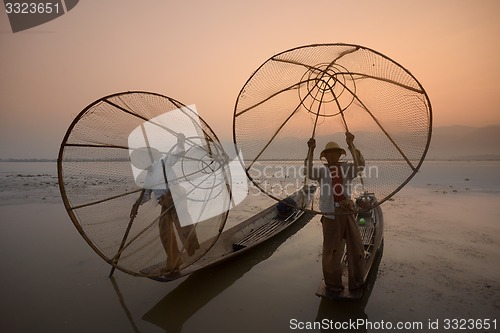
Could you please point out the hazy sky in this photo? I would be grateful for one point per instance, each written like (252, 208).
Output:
(202, 52)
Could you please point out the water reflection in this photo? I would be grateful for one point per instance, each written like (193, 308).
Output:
(123, 305)
(175, 309)
(346, 311)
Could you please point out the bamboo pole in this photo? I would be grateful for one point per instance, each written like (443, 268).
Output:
(133, 214)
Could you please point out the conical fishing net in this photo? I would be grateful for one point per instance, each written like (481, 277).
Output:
(140, 175)
(320, 92)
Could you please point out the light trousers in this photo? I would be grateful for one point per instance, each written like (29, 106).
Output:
(337, 232)
(168, 224)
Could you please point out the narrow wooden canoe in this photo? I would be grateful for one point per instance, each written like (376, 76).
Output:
(243, 236)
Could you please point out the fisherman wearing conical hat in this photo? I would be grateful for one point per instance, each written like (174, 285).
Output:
(334, 178)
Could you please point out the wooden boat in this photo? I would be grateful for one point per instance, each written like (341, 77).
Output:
(371, 227)
(242, 237)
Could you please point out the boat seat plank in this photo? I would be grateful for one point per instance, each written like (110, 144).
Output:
(264, 231)
(367, 237)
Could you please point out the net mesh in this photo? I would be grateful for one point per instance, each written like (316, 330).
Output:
(322, 91)
(99, 187)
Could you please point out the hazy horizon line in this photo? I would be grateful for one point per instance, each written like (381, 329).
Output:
(479, 157)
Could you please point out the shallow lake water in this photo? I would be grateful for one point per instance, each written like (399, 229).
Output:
(440, 261)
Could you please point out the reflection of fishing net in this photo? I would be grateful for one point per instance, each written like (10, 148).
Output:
(107, 162)
(321, 91)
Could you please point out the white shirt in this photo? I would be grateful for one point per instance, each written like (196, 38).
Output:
(159, 172)
(322, 174)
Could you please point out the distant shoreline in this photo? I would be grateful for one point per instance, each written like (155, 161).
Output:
(28, 160)
(449, 159)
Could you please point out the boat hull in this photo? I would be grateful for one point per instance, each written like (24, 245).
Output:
(242, 237)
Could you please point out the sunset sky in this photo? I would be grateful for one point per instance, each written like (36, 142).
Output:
(202, 53)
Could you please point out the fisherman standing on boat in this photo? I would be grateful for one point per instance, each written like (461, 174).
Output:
(155, 182)
(334, 178)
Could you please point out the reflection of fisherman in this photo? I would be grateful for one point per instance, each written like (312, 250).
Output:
(334, 178)
(156, 182)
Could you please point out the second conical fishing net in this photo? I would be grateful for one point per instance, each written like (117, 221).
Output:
(320, 92)
(126, 148)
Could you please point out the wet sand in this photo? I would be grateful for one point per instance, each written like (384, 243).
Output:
(440, 260)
